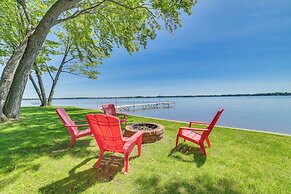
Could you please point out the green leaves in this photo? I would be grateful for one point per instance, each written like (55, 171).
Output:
(88, 32)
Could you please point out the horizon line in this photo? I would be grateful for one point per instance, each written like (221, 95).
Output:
(168, 96)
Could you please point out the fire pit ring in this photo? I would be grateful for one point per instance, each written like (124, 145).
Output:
(152, 132)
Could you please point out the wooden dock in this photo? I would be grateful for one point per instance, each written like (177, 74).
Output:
(150, 105)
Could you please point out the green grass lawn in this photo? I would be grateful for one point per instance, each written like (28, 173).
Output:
(34, 158)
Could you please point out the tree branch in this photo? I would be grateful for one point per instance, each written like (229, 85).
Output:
(126, 6)
(78, 13)
(49, 72)
(22, 4)
(77, 74)
(69, 60)
(89, 9)
(20, 20)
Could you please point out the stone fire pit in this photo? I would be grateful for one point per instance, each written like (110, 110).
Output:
(152, 132)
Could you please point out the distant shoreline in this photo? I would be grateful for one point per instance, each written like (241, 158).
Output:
(177, 96)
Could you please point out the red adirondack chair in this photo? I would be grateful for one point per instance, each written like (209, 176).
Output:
(188, 133)
(109, 109)
(107, 132)
(72, 127)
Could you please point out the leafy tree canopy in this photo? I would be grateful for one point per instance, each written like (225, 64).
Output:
(90, 29)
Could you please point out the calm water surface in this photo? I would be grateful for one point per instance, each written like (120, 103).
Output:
(270, 113)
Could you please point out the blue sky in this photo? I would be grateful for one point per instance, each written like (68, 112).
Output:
(223, 47)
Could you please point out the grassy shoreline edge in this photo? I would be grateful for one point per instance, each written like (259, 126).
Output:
(235, 128)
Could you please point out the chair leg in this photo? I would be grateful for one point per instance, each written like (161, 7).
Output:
(100, 158)
(139, 146)
(72, 142)
(177, 140)
(208, 142)
(126, 159)
(203, 148)
(184, 140)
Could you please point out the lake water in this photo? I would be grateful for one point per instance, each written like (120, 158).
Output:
(268, 113)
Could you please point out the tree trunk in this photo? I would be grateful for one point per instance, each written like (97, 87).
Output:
(35, 42)
(36, 89)
(9, 71)
(41, 86)
(54, 84)
(55, 81)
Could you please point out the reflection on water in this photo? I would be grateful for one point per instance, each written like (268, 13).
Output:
(262, 113)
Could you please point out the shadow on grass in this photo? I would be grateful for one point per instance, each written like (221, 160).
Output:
(198, 156)
(80, 181)
(38, 133)
(199, 184)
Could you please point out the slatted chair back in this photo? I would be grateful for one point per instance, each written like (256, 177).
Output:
(67, 121)
(109, 109)
(107, 131)
(206, 133)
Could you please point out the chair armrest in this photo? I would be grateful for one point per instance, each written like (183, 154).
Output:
(124, 115)
(78, 121)
(134, 136)
(197, 123)
(192, 129)
(83, 125)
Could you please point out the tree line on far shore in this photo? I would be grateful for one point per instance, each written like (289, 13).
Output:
(190, 96)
